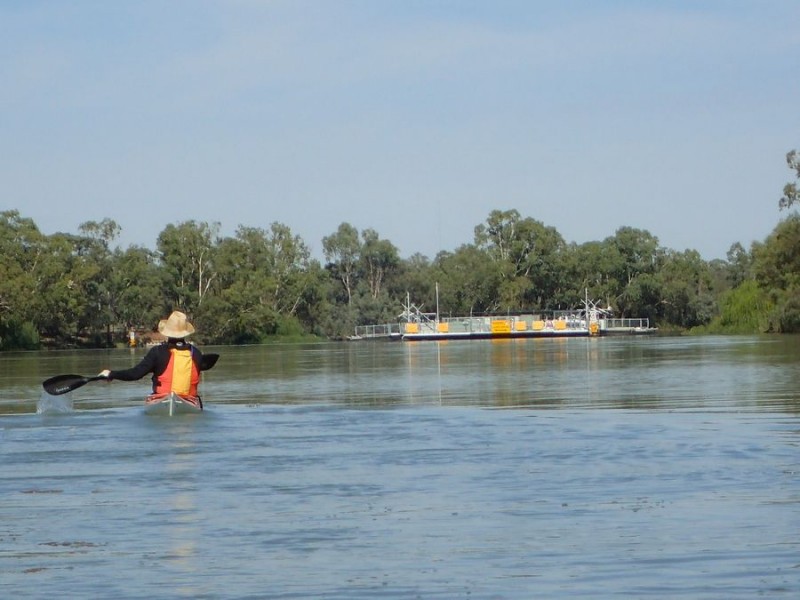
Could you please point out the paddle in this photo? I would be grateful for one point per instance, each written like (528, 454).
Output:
(62, 384)
(208, 361)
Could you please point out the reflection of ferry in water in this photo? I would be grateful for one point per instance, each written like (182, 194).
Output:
(589, 321)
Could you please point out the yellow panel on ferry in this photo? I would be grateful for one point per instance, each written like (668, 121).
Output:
(538, 325)
(520, 326)
(501, 326)
(560, 325)
(443, 327)
(412, 327)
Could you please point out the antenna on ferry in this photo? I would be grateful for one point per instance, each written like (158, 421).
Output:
(437, 301)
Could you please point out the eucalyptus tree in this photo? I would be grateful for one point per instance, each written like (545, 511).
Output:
(342, 250)
(379, 260)
(261, 283)
(636, 254)
(67, 278)
(740, 263)
(93, 250)
(776, 261)
(791, 194)
(242, 310)
(134, 288)
(55, 282)
(377, 265)
(415, 278)
(588, 271)
(103, 232)
(315, 312)
(186, 253)
(687, 296)
(22, 249)
(469, 281)
(289, 261)
(527, 257)
(776, 267)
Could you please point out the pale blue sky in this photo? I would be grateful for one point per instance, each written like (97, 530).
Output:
(414, 118)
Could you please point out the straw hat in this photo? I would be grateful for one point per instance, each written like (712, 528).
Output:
(175, 326)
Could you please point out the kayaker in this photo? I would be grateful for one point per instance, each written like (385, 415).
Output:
(175, 363)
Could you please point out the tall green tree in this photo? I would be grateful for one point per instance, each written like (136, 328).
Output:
(22, 250)
(745, 309)
(343, 252)
(379, 260)
(589, 270)
(526, 254)
(469, 280)
(68, 274)
(791, 194)
(242, 310)
(739, 265)
(289, 260)
(93, 249)
(637, 256)
(187, 255)
(262, 283)
(416, 278)
(687, 295)
(776, 267)
(134, 285)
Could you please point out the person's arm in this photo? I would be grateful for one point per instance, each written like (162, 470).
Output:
(147, 365)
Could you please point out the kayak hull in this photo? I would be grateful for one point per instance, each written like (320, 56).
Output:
(172, 404)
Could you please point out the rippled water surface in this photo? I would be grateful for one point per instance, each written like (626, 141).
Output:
(630, 467)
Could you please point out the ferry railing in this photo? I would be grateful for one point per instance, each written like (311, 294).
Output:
(626, 324)
(483, 324)
(378, 331)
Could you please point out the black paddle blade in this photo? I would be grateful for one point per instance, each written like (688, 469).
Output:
(61, 384)
(208, 361)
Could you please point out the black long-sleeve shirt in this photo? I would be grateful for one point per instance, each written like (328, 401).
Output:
(156, 361)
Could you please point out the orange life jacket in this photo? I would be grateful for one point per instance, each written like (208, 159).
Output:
(181, 375)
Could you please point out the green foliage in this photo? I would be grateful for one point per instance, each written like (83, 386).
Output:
(791, 193)
(343, 252)
(776, 268)
(527, 257)
(187, 253)
(685, 287)
(785, 317)
(468, 283)
(290, 327)
(262, 284)
(18, 336)
(743, 310)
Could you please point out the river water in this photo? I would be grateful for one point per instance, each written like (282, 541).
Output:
(652, 467)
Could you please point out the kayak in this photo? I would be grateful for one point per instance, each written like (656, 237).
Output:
(172, 404)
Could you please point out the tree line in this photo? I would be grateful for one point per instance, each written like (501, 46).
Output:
(68, 290)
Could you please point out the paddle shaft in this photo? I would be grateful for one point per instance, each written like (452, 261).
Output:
(63, 384)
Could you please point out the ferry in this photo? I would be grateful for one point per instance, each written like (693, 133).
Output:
(589, 321)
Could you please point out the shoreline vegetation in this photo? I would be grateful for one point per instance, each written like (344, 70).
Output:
(74, 290)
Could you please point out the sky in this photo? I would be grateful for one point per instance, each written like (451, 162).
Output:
(413, 118)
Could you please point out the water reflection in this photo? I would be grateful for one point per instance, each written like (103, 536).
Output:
(278, 494)
(720, 373)
(181, 517)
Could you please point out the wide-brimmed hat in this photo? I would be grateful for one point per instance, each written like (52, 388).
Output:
(175, 326)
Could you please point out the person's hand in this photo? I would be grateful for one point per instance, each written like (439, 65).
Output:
(104, 373)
